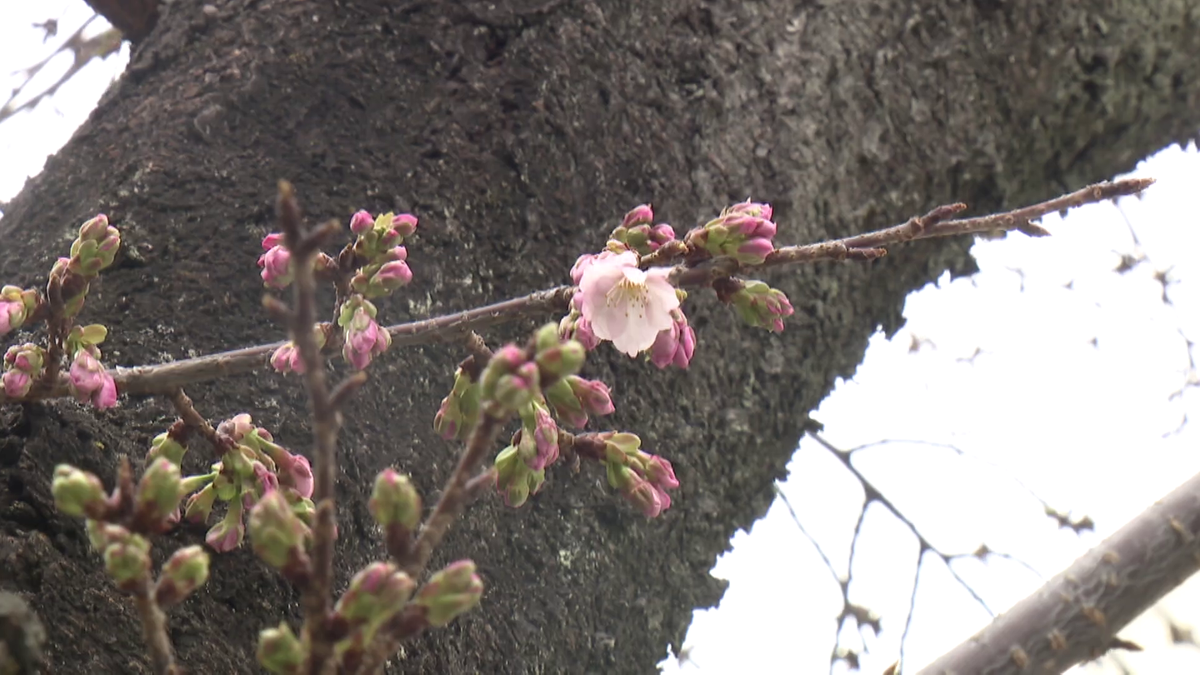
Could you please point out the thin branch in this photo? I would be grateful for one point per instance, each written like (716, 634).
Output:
(164, 378)
(861, 615)
(1076, 615)
(316, 594)
(456, 492)
(154, 629)
(83, 49)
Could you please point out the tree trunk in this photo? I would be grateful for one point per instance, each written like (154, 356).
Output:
(519, 131)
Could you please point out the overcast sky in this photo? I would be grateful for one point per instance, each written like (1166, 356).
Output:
(1069, 396)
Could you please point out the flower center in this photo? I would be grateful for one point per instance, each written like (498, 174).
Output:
(631, 292)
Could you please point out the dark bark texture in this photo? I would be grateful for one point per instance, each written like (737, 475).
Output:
(519, 131)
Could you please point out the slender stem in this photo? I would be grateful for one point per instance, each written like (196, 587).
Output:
(154, 630)
(316, 594)
(163, 378)
(457, 491)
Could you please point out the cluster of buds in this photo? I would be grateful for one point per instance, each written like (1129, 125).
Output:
(459, 411)
(377, 593)
(16, 306)
(362, 338)
(742, 231)
(573, 398)
(637, 233)
(641, 477)
(90, 382)
(379, 244)
(118, 526)
(95, 247)
(286, 358)
(251, 469)
(23, 365)
(92, 251)
(534, 388)
(756, 303)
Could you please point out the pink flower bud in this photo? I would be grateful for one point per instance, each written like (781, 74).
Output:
(286, 359)
(90, 382)
(674, 345)
(393, 274)
(450, 592)
(276, 263)
(405, 224)
(276, 534)
(754, 251)
(361, 222)
(749, 208)
(128, 562)
(227, 534)
(645, 497)
(279, 651)
(581, 264)
(593, 395)
(364, 339)
(640, 215)
(660, 472)
(159, 490)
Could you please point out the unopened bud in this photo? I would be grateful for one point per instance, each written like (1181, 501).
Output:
(77, 493)
(128, 561)
(276, 534)
(450, 592)
(375, 593)
(394, 500)
(160, 490)
(184, 572)
(279, 651)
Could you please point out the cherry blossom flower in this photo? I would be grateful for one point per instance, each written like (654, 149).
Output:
(624, 304)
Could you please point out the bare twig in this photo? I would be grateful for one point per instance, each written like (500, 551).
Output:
(934, 224)
(1076, 615)
(154, 629)
(872, 494)
(326, 421)
(162, 379)
(456, 492)
(84, 50)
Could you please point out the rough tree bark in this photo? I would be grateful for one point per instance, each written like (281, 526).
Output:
(518, 131)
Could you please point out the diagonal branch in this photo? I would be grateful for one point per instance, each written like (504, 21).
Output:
(1076, 615)
(83, 49)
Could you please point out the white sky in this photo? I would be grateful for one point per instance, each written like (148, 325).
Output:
(1090, 429)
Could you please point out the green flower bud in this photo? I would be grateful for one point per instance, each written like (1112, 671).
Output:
(375, 593)
(276, 534)
(160, 489)
(395, 500)
(165, 446)
(450, 592)
(200, 505)
(279, 651)
(128, 561)
(185, 571)
(102, 534)
(563, 359)
(77, 493)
